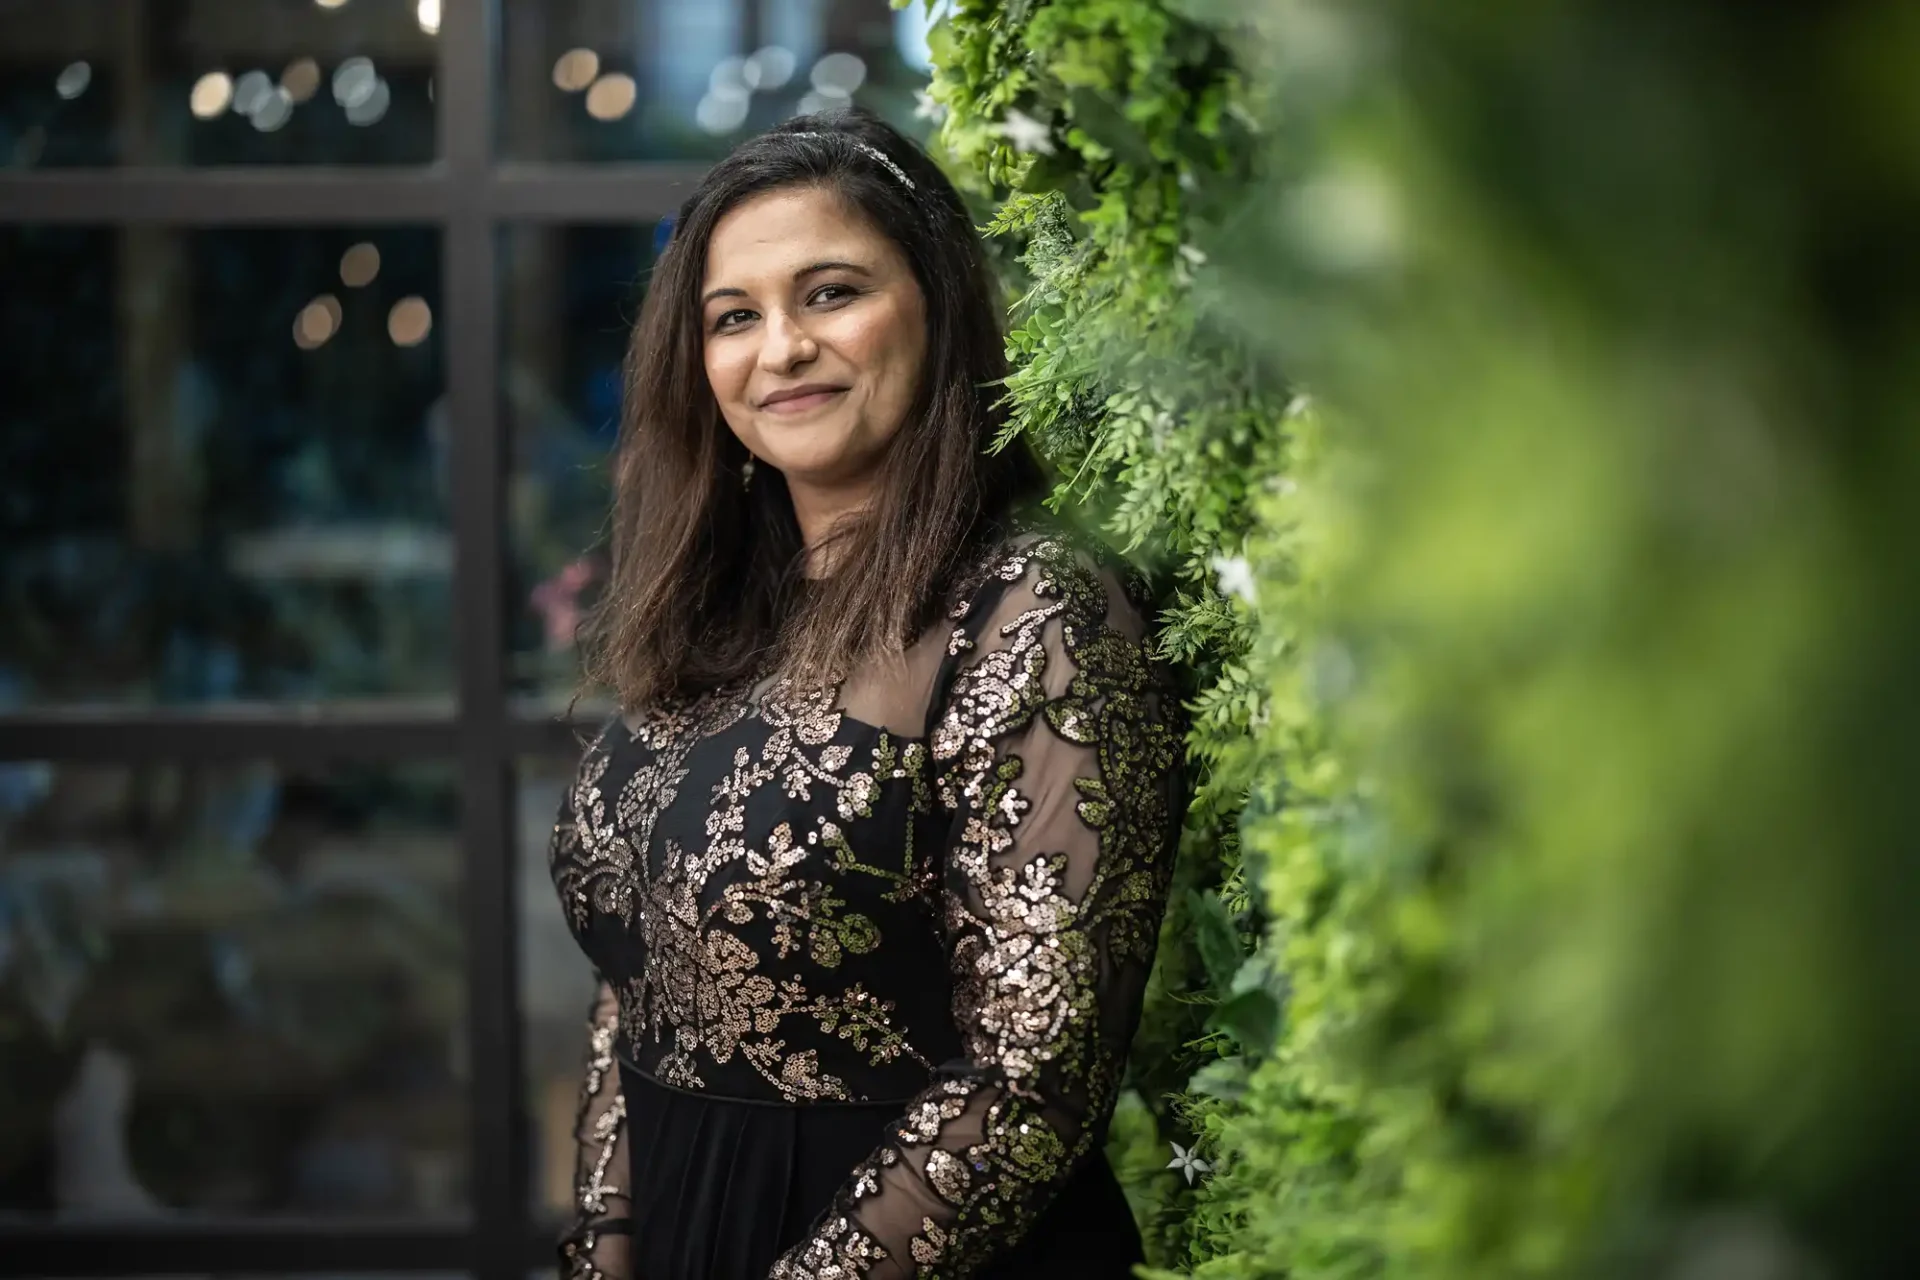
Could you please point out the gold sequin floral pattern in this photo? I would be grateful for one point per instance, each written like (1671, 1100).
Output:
(948, 907)
(1055, 760)
(594, 1246)
(715, 918)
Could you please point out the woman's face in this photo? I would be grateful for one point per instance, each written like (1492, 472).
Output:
(815, 335)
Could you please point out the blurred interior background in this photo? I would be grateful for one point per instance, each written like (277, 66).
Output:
(311, 320)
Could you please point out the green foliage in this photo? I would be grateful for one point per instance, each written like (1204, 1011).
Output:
(1570, 707)
(1113, 134)
(1603, 972)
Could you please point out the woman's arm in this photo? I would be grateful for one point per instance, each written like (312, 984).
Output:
(597, 1242)
(1057, 758)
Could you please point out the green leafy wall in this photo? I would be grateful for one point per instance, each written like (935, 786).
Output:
(1109, 137)
(1547, 907)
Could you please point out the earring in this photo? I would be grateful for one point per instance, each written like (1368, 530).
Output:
(746, 472)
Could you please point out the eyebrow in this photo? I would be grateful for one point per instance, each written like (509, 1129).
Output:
(811, 269)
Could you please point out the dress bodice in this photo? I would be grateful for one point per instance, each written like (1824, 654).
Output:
(937, 883)
(755, 878)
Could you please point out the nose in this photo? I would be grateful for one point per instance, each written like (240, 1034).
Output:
(786, 345)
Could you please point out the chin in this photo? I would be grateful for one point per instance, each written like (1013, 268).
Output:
(813, 456)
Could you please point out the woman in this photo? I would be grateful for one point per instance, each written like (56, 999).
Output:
(872, 864)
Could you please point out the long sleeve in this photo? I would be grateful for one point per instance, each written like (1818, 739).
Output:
(597, 1244)
(1056, 757)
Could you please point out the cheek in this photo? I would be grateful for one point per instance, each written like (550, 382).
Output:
(728, 365)
(888, 344)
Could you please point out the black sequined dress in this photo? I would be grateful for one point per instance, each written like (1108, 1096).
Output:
(871, 956)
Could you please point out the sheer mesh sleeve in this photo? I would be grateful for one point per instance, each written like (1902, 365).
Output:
(1057, 758)
(597, 1242)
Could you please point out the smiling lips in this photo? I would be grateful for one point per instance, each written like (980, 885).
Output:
(800, 399)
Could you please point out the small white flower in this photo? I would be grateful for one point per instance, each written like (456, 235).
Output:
(925, 108)
(1192, 255)
(1026, 133)
(1187, 1163)
(1235, 575)
(1298, 405)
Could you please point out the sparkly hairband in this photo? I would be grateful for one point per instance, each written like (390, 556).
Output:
(870, 150)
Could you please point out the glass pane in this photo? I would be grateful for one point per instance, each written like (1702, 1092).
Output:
(222, 470)
(556, 990)
(571, 295)
(685, 79)
(214, 82)
(230, 989)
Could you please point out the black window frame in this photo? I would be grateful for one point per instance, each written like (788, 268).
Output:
(469, 196)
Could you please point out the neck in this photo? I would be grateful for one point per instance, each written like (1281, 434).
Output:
(817, 510)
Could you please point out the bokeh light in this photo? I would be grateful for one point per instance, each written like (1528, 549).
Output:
(251, 91)
(769, 68)
(729, 76)
(73, 80)
(723, 108)
(273, 111)
(359, 265)
(611, 96)
(721, 113)
(409, 322)
(839, 74)
(317, 322)
(301, 79)
(371, 108)
(354, 81)
(211, 94)
(575, 69)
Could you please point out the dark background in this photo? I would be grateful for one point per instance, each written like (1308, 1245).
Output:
(311, 315)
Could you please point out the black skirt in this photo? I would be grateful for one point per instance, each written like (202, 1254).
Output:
(722, 1187)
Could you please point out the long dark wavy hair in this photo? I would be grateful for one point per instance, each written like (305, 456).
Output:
(702, 587)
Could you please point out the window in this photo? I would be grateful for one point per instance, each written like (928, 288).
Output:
(212, 82)
(233, 987)
(224, 473)
(312, 334)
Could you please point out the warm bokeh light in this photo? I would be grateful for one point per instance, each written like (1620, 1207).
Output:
(428, 14)
(301, 79)
(318, 321)
(575, 70)
(329, 4)
(211, 94)
(409, 322)
(611, 96)
(359, 265)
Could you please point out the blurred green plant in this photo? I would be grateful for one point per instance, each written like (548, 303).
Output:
(1570, 705)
